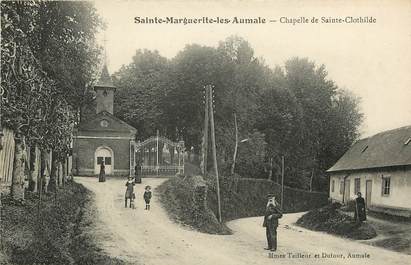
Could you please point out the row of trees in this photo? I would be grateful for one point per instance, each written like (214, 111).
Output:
(293, 110)
(49, 59)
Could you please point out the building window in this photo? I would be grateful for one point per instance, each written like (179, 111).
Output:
(342, 187)
(332, 185)
(104, 123)
(107, 161)
(386, 185)
(99, 160)
(357, 185)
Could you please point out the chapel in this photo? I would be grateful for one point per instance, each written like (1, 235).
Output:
(104, 137)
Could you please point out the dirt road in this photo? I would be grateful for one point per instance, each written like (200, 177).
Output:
(150, 237)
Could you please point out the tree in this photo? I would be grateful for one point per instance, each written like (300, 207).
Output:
(48, 54)
(142, 88)
(281, 119)
(294, 111)
(321, 124)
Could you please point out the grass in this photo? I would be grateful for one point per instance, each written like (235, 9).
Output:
(394, 231)
(177, 197)
(328, 219)
(58, 235)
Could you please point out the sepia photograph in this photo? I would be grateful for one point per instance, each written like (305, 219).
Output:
(188, 132)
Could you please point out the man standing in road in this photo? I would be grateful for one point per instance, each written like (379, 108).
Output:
(272, 214)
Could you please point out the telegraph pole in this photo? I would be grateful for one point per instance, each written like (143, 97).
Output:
(158, 134)
(205, 140)
(282, 182)
(213, 143)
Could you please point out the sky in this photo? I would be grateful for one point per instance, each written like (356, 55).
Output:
(372, 60)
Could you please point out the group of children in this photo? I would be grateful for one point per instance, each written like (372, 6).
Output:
(130, 195)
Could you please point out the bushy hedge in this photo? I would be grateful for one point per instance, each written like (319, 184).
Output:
(246, 197)
(329, 220)
(178, 197)
(56, 235)
(349, 206)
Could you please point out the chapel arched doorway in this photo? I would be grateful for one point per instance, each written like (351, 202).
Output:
(105, 154)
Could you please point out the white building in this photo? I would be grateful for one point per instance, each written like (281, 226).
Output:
(380, 168)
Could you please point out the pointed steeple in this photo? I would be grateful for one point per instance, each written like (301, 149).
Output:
(105, 92)
(105, 79)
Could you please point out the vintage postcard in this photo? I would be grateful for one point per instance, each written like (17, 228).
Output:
(205, 132)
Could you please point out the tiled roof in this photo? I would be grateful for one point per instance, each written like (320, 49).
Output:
(386, 149)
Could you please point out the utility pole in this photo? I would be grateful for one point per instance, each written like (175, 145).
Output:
(213, 143)
(158, 134)
(282, 182)
(1, 221)
(205, 134)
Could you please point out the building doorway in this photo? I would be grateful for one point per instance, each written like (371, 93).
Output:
(368, 190)
(347, 191)
(104, 154)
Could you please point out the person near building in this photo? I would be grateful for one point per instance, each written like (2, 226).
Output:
(102, 176)
(129, 191)
(360, 214)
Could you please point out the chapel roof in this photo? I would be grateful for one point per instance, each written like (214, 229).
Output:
(113, 124)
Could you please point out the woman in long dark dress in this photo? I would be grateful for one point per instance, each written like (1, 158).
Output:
(360, 214)
(102, 176)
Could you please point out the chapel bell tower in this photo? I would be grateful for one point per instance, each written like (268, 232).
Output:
(104, 92)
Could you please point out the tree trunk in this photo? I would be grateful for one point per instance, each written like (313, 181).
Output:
(36, 169)
(189, 155)
(45, 176)
(60, 174)
(311, 179)
(235, 146)
(17, 181)
(64, 169)
(54, 172)
(270, 169)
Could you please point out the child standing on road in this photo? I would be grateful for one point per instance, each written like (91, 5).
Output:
(129, 191)
(147, 197)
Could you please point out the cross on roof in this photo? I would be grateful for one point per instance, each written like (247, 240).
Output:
(105, 48)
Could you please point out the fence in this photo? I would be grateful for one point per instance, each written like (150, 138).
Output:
(161, 170)
(6, 158)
